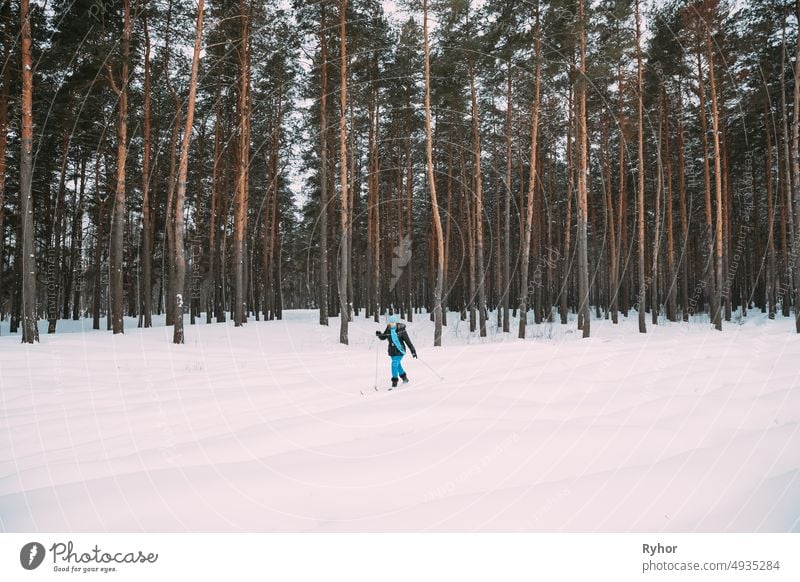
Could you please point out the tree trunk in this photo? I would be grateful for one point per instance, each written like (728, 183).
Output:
(770, 278)
(640, 173)
(180, 196)
(240, 218)
(371, 206)
(213, 218)
(147, 232)
(621, 209)
(30, 329)
(270, 207)
(684, 256)
(437, 221)
(655, 306)
(787, 214)
(796, 174)
(506, 285)
(55, 253)
(583, 176)
(344, 262)
(4, 95)
(447, 285)
(611, 227)
(352, 184)
(118, 222)
(528, 218)
(97, 265)
(717, 316)
(167, 264)
(469, 221)
(708, 238)
(77, 236)
(376, 237)
(566, 258)
(671, 274)
(476, 144)
(323, 173)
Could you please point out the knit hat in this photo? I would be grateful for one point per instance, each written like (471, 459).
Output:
(394, 319)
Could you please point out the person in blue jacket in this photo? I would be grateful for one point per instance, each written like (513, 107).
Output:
(398, 338)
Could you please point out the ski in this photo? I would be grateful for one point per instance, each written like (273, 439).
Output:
(390, 389)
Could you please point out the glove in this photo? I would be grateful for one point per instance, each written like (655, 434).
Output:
(378, 334)
(414, 355)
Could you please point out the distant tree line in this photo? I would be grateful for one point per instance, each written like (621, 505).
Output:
(524, 157)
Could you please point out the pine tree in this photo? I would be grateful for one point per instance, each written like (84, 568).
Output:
(344, 254)
(120, 89)
(30, 330)
(437, 293)
(528, 218)
(180, 260)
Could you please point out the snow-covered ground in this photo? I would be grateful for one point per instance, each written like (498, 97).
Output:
(264, 428)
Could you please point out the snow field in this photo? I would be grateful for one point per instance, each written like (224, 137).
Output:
(263, 428)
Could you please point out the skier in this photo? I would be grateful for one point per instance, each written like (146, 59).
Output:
(397, 335)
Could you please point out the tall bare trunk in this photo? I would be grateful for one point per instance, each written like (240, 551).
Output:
(655, 306)
(376, 258)
(76, 249)
(447, 285)
(180, 197)
(167, 264)
(640, 172)
(771, 275)
(796, 173)
(147, 233)
(684, 256)
(476, 144)
(409, 228)
(371, 206)
(99, 240)
(621, 206)
(672, 278)
(273, 227)
(437, 221)
(323, 172)
(787, 214)
(612, 229)
(242, 172)
(30, 330)
(214, 210)
(118, 221)
(352, 306)
(344, 262)
(506, 284)
(528, 219)
(470, 217)
(717, 316)
(565, 257)
(8, 35)
(55, 252)
(708, 236)
(583, 177)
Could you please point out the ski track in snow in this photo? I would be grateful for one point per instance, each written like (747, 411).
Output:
(264, 428)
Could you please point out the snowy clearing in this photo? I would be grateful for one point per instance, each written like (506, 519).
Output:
(264, 428)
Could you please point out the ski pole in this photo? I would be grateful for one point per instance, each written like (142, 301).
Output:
(431, 369)
(377, 353)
